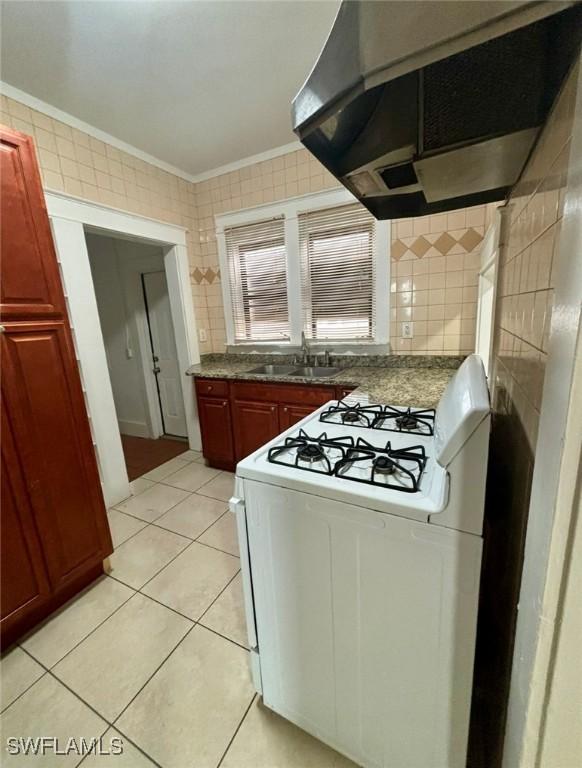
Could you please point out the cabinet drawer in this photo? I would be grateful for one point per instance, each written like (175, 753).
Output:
(212, 387)
(299, 394)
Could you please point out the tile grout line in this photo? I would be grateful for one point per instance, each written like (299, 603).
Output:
(133, 744)
(237, 729)
(48, 670)
(203, 614)
(109, 724)
(204, 484)
(208, 527)
(153, 674)
(7, 707)
(218, 471)
(165, 512)
(224, 637)
(135, 592)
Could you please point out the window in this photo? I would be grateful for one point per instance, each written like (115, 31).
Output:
(317, 264)
(257, 269)
(337, 274)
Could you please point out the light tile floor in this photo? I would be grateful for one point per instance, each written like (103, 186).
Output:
(155, 653)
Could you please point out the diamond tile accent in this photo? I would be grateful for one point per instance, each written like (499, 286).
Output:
(210, 275)
(444, 243)
(470, 239)
(420, 246)
(198, 276)
(398, 249)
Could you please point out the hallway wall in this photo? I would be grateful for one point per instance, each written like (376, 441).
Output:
(119, 299)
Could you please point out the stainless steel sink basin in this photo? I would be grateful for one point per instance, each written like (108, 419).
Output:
(315, 371)
(273, 370)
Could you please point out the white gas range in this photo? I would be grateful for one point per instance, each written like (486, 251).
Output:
(360, 535)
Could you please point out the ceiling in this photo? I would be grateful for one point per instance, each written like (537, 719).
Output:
(195, 84)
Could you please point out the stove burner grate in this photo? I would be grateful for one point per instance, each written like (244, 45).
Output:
(384, 463)
(385, 418)
(310, 452)
(398, 469)
(406, 421)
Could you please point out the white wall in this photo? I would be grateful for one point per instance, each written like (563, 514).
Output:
(544, 715)
(115, 266)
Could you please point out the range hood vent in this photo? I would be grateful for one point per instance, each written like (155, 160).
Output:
(423, 107)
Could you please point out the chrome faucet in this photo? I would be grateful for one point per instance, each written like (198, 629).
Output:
(304, 349)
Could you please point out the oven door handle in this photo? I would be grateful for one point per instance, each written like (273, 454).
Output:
(237, 507)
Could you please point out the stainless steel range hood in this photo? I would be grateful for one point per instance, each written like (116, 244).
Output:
(421, 107)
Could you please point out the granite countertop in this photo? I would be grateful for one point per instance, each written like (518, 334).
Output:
(398, 380)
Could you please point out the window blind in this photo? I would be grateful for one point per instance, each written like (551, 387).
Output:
(258, 281)
(337, 273)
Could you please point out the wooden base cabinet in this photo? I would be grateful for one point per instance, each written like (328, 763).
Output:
(55, 534)
(254, 425)
(237, 417)
(216, 429)
(291, 414)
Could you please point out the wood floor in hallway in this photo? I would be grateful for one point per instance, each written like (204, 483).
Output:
(143, 454)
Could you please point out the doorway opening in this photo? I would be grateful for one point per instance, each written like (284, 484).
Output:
(133, 304)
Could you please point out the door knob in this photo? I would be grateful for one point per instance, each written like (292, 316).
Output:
(155, 358)
(157, 369)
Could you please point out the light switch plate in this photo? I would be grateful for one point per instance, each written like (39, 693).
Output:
(202, 335)
(407, 330)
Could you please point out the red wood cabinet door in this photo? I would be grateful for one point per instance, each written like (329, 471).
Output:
(24, 583)
(254, 425)
(30, 286)
(216, 429)
(44, 401)
(291, 414)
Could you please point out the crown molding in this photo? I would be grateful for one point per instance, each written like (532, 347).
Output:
(64, 117)
(96, 133)
(269, 154)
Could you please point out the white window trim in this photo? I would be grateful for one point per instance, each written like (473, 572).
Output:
(290, 209)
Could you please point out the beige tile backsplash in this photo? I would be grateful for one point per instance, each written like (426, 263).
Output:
(434, 258)
(528, 268)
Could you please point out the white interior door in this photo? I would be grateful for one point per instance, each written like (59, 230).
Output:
(164, 353)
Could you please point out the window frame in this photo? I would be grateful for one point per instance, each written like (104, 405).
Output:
(289, 210)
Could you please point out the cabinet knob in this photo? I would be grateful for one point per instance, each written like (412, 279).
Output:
(272, 407)
(209, 389)
(285, 409)
(224, 403)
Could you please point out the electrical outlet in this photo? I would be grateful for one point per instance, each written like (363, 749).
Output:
(407, 330)
(202, 335)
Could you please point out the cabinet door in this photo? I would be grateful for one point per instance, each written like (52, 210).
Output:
(24, 582)
(254, 425)
(216, 428)
(291, 414)
(30, 286)
(44, 401)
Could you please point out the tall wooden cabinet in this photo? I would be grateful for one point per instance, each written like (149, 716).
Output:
(54, 532)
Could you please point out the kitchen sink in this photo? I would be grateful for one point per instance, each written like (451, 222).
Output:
(315, 371)
(273, 370)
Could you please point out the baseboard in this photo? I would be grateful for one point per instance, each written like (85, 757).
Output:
(134, 428)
